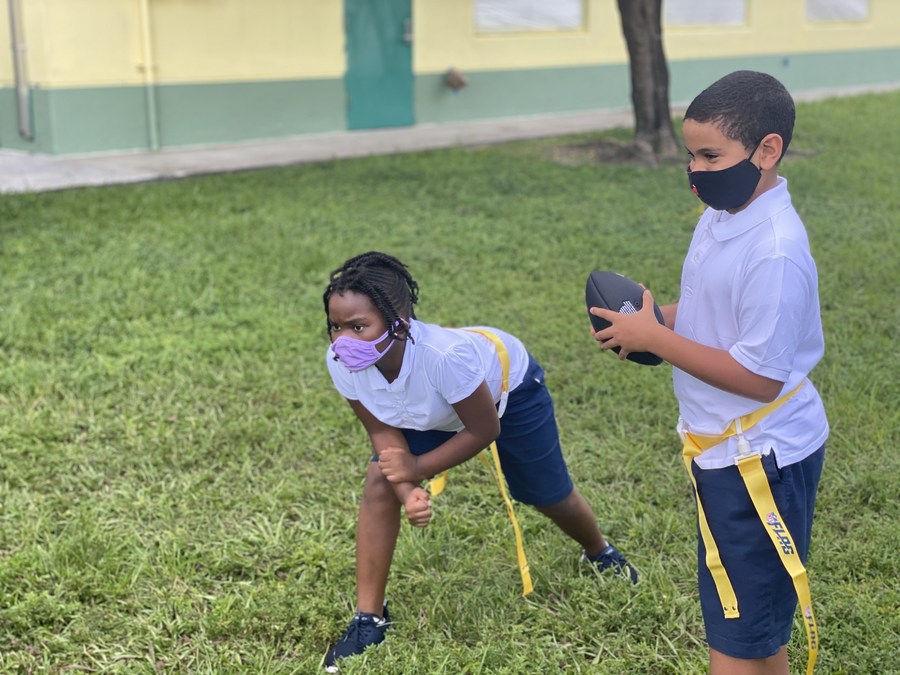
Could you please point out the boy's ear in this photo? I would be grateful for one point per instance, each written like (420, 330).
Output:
(770, 149)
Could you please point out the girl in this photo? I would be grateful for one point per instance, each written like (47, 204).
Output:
(428, 397)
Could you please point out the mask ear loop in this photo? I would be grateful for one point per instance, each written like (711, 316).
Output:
(758, 145)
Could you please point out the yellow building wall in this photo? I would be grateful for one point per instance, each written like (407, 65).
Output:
(780, 26)
(90, 43)
(96, 43)
(6, 67)
(445, 35)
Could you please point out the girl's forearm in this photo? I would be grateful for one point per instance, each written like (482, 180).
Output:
(402, 490)
(462, 447)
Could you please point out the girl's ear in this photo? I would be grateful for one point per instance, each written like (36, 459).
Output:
(770, 149)
(401, 329)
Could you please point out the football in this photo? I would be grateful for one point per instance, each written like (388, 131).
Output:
(610, 290)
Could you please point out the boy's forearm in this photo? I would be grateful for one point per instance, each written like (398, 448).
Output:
(669, 312)
(713, 366)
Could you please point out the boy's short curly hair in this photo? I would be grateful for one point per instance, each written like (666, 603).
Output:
(746, 106)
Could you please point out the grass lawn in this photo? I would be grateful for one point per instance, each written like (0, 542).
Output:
(180, 481)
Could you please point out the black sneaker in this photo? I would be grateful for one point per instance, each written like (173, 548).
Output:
(611, 558)
(364, 631)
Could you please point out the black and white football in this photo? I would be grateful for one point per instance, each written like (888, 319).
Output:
(610, 290)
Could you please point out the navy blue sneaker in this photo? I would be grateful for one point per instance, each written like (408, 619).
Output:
(364, 631)
(611, 558)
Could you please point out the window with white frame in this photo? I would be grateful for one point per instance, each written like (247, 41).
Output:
(837, 10)
(516, 16)
(705, 12)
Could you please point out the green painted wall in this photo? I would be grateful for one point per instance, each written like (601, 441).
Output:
(68, 121)
(90, 120)
(515, 93)
(492, 94)
(107, 119)
(224, 113)
(798, 72)
(9, 122)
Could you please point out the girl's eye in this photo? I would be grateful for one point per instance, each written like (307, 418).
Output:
(358, 328)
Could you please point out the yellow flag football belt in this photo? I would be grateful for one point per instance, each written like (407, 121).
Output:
(751, 468)
(439, 482)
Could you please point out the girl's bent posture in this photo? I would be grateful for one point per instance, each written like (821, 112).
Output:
(428, 397)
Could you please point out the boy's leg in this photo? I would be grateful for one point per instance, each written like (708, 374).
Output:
(720, 664)
(573, 515)
(376, 538)
(754, 642)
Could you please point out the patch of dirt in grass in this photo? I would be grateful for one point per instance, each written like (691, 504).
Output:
(605, 151)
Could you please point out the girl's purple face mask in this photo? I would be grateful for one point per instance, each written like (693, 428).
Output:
(357, 354)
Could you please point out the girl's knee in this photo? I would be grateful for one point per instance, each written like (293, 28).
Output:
(561, 503)
(377, 488)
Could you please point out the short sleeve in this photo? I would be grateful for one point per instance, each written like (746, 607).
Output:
(458, 373)
(772, 314)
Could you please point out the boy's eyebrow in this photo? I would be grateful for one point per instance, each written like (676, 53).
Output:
(713, 149)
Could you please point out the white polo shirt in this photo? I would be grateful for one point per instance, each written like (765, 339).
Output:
(749, 285)
(441, 366)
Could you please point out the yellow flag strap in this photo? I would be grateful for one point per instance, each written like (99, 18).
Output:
(753, 474)
(503, 355)
(438, 483)
(713, 561)
(527, 586)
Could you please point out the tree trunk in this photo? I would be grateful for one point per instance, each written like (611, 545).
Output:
(653, 132)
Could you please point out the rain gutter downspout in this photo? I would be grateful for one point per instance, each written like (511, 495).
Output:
(23, 95)
(149, 75)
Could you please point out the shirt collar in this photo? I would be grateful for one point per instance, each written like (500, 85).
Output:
(758, 211)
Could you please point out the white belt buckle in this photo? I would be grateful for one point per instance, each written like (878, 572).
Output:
(743, 445)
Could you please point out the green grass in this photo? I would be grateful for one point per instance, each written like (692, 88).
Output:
(180, 482)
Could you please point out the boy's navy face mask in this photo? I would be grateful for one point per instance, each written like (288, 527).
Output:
(726, 189)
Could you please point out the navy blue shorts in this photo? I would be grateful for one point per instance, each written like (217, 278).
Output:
(765, 593)
(528, 444)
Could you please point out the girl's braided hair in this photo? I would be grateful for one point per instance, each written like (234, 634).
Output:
(384, 279)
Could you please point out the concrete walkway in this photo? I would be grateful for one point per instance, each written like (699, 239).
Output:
(29, 172)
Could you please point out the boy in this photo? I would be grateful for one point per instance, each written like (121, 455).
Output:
(742, 338)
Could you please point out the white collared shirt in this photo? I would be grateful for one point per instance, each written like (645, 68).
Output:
(441, 366)
(749, 285)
